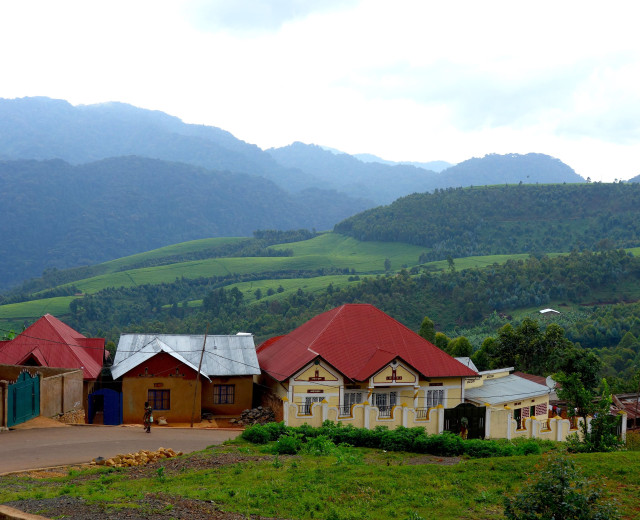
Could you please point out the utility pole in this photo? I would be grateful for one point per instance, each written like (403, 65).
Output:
(195, 391)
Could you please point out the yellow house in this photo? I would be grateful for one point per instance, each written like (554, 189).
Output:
(357, 365)
(162, 369)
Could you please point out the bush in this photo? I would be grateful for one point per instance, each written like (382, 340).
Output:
(257, 434)
(559, 491)
(288, 445)
(275, 429)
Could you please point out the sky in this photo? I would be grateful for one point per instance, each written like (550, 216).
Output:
(404, 80)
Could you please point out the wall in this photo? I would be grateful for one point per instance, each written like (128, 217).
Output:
(61, 389)
(135, 391)
(364, 416)
(243, 395)
(61, 393)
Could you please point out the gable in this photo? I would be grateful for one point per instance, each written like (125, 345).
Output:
(395, 373)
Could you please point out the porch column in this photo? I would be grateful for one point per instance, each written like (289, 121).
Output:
(440, 409)
(534, 428)
(487, 422)
(509, 415)
(623, 426)
(325, 410)
(405, 415)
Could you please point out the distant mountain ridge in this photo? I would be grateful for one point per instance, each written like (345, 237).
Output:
(386, 182)
(54, 214)
(42, 128)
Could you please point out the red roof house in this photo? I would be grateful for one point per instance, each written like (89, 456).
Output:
(51, 343)
(356, 355)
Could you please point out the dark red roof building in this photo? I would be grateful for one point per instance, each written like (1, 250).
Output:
(52, 343)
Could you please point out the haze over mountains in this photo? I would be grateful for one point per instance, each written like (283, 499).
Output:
(85, 184)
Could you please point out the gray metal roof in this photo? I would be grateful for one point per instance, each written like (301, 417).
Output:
(466, 361)
(504, 390)
(223, 356)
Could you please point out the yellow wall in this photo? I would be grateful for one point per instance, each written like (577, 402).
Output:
(243, 395)
(135, 393)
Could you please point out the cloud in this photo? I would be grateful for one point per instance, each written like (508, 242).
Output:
(251, 16)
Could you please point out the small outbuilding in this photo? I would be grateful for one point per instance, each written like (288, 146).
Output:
(163, 370)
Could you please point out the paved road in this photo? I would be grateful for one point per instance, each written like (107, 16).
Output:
(46, 447)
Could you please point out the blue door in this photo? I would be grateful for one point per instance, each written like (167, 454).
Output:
(105, 407)
(23, 399)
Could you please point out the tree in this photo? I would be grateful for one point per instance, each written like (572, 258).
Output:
(387, 264)
(427, 330)
(559, 492)
(460, 347)
(441, 341)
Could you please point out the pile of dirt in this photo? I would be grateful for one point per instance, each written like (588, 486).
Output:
(71, 417)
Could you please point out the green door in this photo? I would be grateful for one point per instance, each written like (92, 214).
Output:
(24, 399)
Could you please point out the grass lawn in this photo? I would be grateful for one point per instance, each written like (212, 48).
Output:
(351, 484)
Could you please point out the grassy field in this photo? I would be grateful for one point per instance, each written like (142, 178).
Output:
(351, 484)
(328, 250)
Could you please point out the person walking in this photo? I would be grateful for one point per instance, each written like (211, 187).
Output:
(148, 417)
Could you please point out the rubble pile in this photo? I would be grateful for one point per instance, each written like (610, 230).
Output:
(137, 459)
(71, 417)
(258, 415)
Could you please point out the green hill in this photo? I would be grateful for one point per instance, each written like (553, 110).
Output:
(58, 215)
(506, 219)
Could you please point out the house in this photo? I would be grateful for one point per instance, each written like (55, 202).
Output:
(356, 365)
(51, 343)
(524, 401)
(182, 374)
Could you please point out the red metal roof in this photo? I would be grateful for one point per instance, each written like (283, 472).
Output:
(358, 340)
(53, 343)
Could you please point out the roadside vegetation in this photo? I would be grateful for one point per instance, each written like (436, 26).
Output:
(343, 483)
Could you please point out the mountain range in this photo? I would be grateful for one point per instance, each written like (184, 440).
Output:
(85, 184)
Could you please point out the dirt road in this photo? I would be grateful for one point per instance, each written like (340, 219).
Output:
(46, 447)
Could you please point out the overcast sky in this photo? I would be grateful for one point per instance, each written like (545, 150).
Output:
(405, 80)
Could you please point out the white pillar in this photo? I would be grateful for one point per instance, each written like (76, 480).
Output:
(623, 429)
(325, 410)
(487, 423)
(440, 418)
(405, 415)
(367, 421)
(509, 425)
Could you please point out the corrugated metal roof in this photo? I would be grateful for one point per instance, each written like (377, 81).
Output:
(466, 361)
(504, 390)
(224, 355)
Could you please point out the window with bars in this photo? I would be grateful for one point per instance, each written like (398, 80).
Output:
(224, 394)
(434, 398)
(159, 399)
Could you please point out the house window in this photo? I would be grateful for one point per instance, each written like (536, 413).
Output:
(159, 399)
(224, 394)
(385, 403)
(350, 398)
(305, 408)
(434, 398)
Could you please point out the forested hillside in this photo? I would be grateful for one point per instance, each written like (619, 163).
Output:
(58, 215)
(506, 219)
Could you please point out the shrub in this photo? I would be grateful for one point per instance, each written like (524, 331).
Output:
(257, 434)
(559, 491)
(275, 429)
(320, 445)
(288, 445)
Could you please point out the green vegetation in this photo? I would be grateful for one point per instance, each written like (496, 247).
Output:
(291, 440)
(506, 220)
(347, 484)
